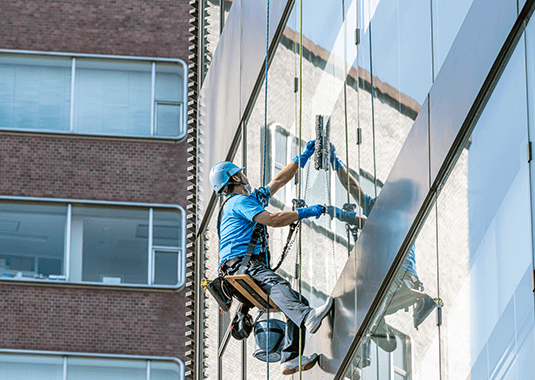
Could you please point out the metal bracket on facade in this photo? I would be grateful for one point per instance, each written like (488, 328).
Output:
(357, 36)
(530, 151)
(296, 84)
(359, 136)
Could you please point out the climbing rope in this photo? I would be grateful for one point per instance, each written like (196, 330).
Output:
(264, 171)
(299, 171)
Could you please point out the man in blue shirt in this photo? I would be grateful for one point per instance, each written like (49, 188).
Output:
(407, 279)
(242, 210)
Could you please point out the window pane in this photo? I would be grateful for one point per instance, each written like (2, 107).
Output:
(169, 97)
(166, 228)
(165, 268)
(21, 367)
(35, 92)
(112, 97)
(280, 148)
(106, 369)
(32, 240)
(109, 245)
(168, 118)
(164, 371)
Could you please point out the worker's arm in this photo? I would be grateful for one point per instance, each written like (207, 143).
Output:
(346, 178)
(286, 174)
(285, 218)
(354, 189)
(345, 216)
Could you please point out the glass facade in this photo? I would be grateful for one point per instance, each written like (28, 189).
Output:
(91, 243)
(458, 303)
(90, 95)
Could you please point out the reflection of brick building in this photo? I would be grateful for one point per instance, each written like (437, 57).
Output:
(138, 169)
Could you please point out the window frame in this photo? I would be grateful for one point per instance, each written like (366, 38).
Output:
(84, 355)
(152, 60)
(181, 250)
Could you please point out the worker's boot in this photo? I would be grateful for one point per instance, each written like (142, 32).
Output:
(292, 366)
(423, 307)
(315, 316)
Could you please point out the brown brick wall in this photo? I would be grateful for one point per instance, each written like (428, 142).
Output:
(73, 167)
(95, 169)
(157, 28)
(94, 321)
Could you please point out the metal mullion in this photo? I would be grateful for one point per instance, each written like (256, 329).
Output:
(148, 369)
(67, 249)
(151, 267)
(73, 76)
(152, 91)
(65, 368)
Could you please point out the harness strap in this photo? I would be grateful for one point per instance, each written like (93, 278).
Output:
(258, 229)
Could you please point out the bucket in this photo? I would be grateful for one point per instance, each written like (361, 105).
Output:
(276, 338)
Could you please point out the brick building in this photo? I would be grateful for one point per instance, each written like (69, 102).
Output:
(93, 196)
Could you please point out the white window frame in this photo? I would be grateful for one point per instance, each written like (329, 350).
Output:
(67, 355)
(153, 133)
(181, 250)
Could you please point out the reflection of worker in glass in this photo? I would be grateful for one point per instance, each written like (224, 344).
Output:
(242, 210)
(406, 280)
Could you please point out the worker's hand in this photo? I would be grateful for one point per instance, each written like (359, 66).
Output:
(263, 194)
(307, 212)
(308, 150)
(344, 216)
(336, 162)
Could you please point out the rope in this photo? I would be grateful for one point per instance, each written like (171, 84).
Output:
(264, 169)
(299, 171)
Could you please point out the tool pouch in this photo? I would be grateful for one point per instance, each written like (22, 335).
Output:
(219, 288)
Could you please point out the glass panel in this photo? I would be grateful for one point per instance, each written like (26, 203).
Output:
(164, 371)
(167, 230)
(109, 245)
(35, 92)
(112, 97)
(448, 16)
(32, 238)
(168, 119)
(165, 268)
(485, 250)
(23, 367)
(227, 4)
(106, 369)
(211, 31)
(401, 68)
(169, 82)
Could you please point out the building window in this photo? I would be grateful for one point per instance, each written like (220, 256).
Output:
(93, 242)
(56, 366)
(93, 95)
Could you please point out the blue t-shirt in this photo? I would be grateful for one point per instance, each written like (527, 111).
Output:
(237, 226)
(410, 261)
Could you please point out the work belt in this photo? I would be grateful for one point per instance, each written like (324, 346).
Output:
(234, 263)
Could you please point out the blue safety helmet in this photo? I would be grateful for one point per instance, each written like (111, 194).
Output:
(221, 173)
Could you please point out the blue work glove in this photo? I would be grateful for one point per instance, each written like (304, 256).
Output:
(307, 212)
(336, 162)
(344, 216)
(308, 150)
(263, 194)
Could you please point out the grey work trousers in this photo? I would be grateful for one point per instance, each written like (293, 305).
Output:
(287, 299)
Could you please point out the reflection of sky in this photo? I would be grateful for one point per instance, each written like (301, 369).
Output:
(401, 36)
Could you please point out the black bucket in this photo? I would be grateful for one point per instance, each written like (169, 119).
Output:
(276, 339)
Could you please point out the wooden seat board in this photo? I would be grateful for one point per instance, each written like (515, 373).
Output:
(247, 287)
